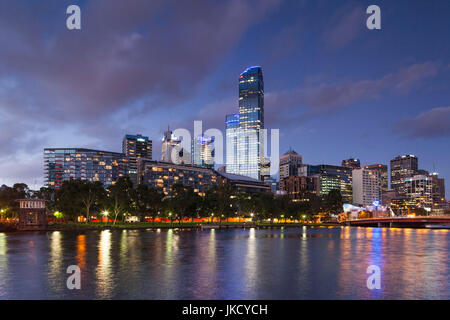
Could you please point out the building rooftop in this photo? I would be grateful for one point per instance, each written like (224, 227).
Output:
(237, 177)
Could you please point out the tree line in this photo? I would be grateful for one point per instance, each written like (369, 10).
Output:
(122, 200)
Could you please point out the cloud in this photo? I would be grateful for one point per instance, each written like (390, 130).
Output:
(432, 123)
(346, 24)
(324, 98)
(130, 57)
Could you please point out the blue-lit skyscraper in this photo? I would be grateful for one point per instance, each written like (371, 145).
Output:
(231, 131)
(244, 135)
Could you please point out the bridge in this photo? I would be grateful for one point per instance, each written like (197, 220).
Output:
(403, 222)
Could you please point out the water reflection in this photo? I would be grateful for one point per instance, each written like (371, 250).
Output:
(3, 264)
(81, 251)
(293, 263)
(251, 261)
(105, 279)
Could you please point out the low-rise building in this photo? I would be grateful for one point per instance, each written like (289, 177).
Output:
(163, 175)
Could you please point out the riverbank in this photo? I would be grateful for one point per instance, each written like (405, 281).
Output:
(186, 225)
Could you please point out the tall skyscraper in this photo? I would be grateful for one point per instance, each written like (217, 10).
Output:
(289, 163)
(351, 163)
(64, 164)
(246, 141)
(403, 167)
(366, 186)
(136, 147)
(172, 151)
(383, 169)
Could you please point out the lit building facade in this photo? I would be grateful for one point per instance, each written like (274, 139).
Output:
(383, 169)
(242, 183)
(172, 151)
(231, 132)
(136, 147)
(245, 147)
(203, 151)
(163, 175)
(366, 187)
(330, 177)
(289, 164)
(297, 188)
(64, 164)
(402, 168)
(419, 192)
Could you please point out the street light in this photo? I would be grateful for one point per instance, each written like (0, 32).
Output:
(105, 214)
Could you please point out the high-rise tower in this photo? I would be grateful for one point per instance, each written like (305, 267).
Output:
(136, 147)
(244, 131)
(403, 167)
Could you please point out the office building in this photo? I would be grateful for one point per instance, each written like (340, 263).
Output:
(366, 187)
(245, 148)
(203, 151)
(172, 150)
(298, 188)
(402, 168)
(289, 164)
(136, 147)
(383, 169)
(419, 192)
(64, 164)
(330, 177)
(439, 203)
(231, 132)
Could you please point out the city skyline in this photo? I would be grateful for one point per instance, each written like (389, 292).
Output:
(333, 95)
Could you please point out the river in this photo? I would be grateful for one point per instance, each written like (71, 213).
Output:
(287, 263)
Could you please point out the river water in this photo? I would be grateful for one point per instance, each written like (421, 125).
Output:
(289, 263)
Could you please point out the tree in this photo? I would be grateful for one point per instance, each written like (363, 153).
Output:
(333, 202)
(221, 200)
(47, 194)
(148, 201)
(8, 197)
(68, 200)
(120, 198)
(91, 194)
(184, 201)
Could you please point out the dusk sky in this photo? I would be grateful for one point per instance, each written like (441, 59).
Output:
(334, 88)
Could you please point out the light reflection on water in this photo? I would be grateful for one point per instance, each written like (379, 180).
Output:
(290, 263)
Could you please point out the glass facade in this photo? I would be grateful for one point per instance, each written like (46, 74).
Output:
(172, 151)
(203, 151)
(63, 164)
(331, 177)
(231, 131)
(244, 137)
(403, 167)
(136, 147)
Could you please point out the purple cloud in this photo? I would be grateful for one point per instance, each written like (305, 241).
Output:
(130, 56)
(327, 97)
(433, 123)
